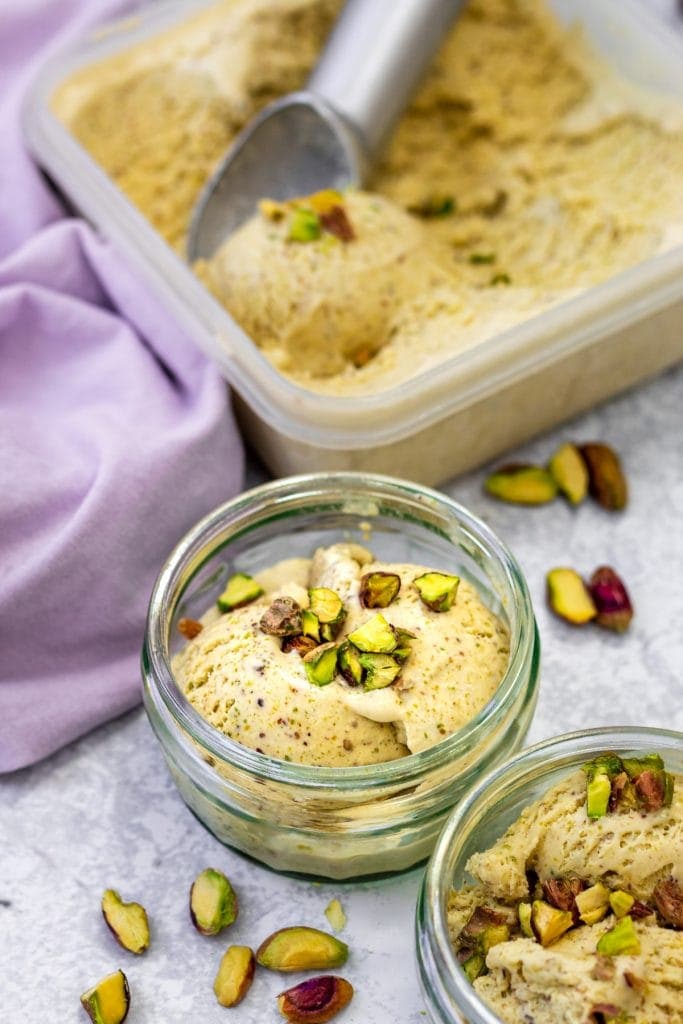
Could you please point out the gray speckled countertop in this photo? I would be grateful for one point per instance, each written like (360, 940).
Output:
(104, 812)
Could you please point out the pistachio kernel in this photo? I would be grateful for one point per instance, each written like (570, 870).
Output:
(282, 618)
(301, 644)
(380, 670)
(235, 975)
(620, 940)
(108, 1001)
(301, 949)
(375, 636)
(569, 597)
(127, 922)
(548, 923)
(310, 625)
(402, 652)
(315, 1000)
(437, 590)
(379, 589)
(621, 902)
(611, 599)
(304, 225)
(213, 902)
(240, 590)
(348, 663)
(321, 664)
(593, 903)
(568, 469)
(327, 606)
(524, 915)
(521, 484)
(668, 899)
(334, 912)
(606, 480)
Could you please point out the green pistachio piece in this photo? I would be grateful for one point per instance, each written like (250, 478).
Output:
(598, 792)
(622, 939)
(321, 664)
(349, 665)
(304, 225)
(127, 922)
(381, 670)
(524, 915)
(108, 1001)
(327, 605)
(327, 632)
(621, 902)
(474, 966)
(402, 652)
(569, 472)
(633, 766)
(604, 764)
(310, 626)
(437, 590)
(213, 903)
(375, 636)
(549, 923)
(315, 1000)
(283, 618)
(593, 903)
(241, 590)
(379, 589)
(494, 934)
(235, 975)
(521, 484)
(301, 949)
(301, 644)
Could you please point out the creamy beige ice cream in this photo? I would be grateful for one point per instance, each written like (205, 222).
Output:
(632, 850)
(239, 678)
(523, 171)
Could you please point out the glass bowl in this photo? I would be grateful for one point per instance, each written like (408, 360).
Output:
(475, 824)
(333, 822)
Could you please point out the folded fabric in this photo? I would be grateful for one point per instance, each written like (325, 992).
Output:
(115, 436)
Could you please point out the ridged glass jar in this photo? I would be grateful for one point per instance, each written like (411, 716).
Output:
(475, 824)
(332, 822)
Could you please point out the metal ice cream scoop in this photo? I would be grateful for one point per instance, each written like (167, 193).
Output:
(327, 135)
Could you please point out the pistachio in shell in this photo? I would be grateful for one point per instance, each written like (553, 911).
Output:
(606, 480)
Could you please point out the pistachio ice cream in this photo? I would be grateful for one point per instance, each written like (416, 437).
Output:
(343, 660)
(523, 172)
(576, 914)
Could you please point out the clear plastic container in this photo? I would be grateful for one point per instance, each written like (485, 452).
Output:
(334, 822)
(471, 406)
(477, 822)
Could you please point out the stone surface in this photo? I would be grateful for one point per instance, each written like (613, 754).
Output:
(104, 812)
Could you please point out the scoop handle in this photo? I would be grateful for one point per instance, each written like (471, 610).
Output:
(376, 57)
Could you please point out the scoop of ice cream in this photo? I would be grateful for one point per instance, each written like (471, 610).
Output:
(320, 305)
(242, 682)
(565, 981)
(555, 837)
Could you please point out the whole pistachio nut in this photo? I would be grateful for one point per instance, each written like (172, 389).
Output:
(611, 599)
(108, 1001)
(569, 597)
(127, 922)
(315, 1000)
(213, 903)
(235, 975)
(241, 589)
(379, 589)
(327, 605)
(321, 664)
(380, 670)
(349, 663)
(606, 480)
(301, 949)
(568, 469)
(282, 618)
(522, 484)
(437, 590)
(620, 940)
(375, 636)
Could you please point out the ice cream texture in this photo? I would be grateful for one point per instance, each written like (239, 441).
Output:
(524, 171)
(240, 679)
(565, 981)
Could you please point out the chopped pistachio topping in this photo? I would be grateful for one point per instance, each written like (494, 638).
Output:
(437, 590)
(241, 589)
(304, 225)
(524, 915)
(379, 589)
(593, 903)
(321, 664)
(479, 258)
(621, 902)
(629, 784)
(375, 636)
(620, 940)
(380, 670)
(310, 625)
(283, 618)
(327, 605)
(349, 664)
(549, 923)
(402, 651)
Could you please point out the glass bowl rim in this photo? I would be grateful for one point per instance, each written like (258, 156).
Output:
(431, 915)
(156, 666)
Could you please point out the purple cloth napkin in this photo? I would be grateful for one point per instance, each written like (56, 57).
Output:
(115, 434)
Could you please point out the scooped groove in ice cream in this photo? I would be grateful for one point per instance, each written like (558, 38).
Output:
(523, 171)
(577, 918)
(242, 681)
